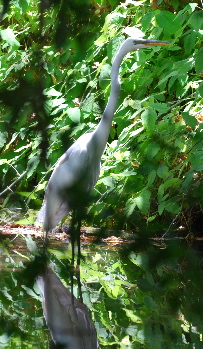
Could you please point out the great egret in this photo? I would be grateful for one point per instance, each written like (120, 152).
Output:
(78, 169)
(67, 318)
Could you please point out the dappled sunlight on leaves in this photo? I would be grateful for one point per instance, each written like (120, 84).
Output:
(141, 265)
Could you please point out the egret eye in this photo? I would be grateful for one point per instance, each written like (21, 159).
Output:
(137, 42)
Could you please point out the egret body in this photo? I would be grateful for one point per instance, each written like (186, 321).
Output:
(78, 169)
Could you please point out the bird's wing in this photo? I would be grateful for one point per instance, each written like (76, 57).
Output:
(72, 172)
(74, 175)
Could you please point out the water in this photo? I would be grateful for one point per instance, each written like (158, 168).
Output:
(142, 294)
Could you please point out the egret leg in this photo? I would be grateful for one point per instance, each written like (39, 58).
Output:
(78, 255)
(72, 235)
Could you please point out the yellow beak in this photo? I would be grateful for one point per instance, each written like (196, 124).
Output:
(155, 43)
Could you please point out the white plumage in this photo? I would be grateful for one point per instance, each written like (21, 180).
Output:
(78, 169)
(67, 318)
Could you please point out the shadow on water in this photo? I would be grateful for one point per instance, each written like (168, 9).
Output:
(141, 294)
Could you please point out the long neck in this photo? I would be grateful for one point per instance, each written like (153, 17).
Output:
(115, 89)
(104, 126)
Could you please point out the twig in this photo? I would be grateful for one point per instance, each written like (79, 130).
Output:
(10, 186)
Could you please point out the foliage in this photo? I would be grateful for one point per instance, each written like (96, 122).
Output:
(55, 64)
(54, 87)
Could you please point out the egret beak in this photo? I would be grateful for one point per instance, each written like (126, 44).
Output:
(155, 43)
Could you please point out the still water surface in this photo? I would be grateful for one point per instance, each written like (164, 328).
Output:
(140, 294)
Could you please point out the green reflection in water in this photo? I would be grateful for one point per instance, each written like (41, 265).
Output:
(140, 295)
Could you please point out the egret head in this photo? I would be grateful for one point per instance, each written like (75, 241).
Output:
(136, 44)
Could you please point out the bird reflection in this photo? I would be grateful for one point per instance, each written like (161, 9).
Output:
(67, 318)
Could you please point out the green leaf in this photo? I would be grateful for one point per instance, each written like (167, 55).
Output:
(201, 90)
(132, 316)
(189, 42)
(114, 17)
(114, 45)
(52, 92)
(148, 118)
(30, 292)
(172, 206)
(151, 177)
(143, 201)
(3, 138)
(168, 21)
(153, 150)
(9, 36)
(162, 108)
(136, 132)
(31, 244)
(189, 177)
(74, 114)
(108, 181)
(4, 339)
(116, 290)
(141, 259)
(144, 285)
(196, 20)
(57, 101)
(150, 303)
(146, 20)
(27, 194)
(23, 5)
(196, 158)
(104, 78)
(130, 206)
(173, 182)
(32, 165)
(161, 208)
(190, 119)
(162, 171)
(161, 196)
(151, 219)
(199, 61)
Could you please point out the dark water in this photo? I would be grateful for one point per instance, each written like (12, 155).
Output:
(141, 294)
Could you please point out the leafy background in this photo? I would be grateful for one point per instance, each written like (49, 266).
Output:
(55, 64)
